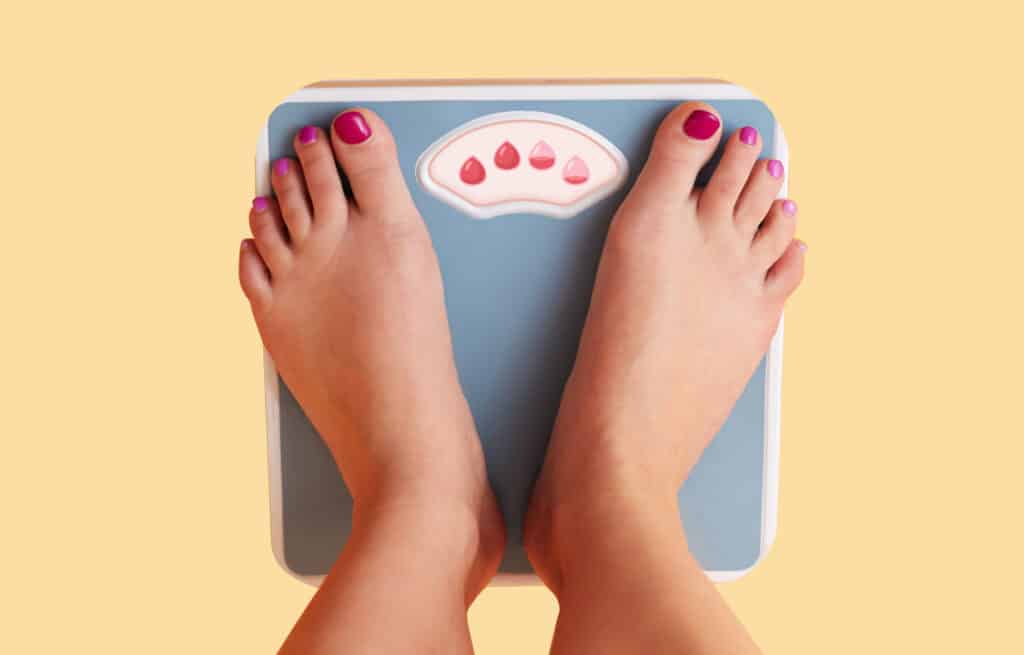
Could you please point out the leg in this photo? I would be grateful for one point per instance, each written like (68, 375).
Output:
(347, 298)
(399, 586)
(689, 292)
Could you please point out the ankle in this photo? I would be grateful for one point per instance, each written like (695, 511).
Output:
(462, 542)
(601, 536)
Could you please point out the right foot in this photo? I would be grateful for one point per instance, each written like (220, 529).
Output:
(689, 292)
(348, 300)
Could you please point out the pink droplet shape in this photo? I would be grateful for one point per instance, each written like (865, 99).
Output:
(506, 157)
(542, 156)
(472, 171)
(576, 171)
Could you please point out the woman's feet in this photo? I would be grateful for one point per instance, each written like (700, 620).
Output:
(347, 297)
(688, 295)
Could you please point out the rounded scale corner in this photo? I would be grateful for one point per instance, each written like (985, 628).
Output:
(771, 113)
(719, 577)
(282, 561)
(263, 139)
(747, 93)
(295, 96)
(763, 551)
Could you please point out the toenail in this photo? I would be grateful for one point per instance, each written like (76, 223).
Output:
(801, 246)
(281, 166)
(701, 125)
(307, 135)
(775, 168)
(748, 135)
(352, 128)
(789, 208)
(259, 203)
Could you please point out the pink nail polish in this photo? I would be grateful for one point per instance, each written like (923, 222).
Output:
(259, 203)
(789, 208)
(352, 128)
(801, 246)
(775, 168)
(307, 135)
(281, 166)
(244, 245)
(701, 125)
(748, 135)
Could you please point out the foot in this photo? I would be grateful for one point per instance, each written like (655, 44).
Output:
(689, 292)
(348, 300)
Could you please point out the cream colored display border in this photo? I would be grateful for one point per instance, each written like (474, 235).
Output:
(447, 196)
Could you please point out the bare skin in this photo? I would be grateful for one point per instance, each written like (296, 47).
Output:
(688, 295)
(347, 298)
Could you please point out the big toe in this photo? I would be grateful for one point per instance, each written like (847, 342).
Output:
(685, 142)
(366, 150)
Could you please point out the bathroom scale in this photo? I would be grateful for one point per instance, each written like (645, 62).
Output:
(518, 181)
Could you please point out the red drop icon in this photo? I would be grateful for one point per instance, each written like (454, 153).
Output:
(506, 157)
(472, 172)
(576, 171)
(542, 156)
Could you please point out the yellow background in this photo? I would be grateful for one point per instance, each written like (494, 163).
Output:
(134, 484)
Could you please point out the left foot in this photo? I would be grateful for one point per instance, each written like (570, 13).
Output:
(347, 297)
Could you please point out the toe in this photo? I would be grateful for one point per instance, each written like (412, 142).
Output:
(269, 235)
(291, 197)
(366, 149)
(321, 172)
(761, 189)
(775, 235)
(685, 142)
(718, 199)
(784, 277)
(253, 276)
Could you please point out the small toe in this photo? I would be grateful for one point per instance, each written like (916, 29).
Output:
(761, 189)
(785, 276)
(290, 189)
(775, 235)
(366, 150)
(253, 276)
(718, 199)
(269, 235)
(321, 173)
(685, 141)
